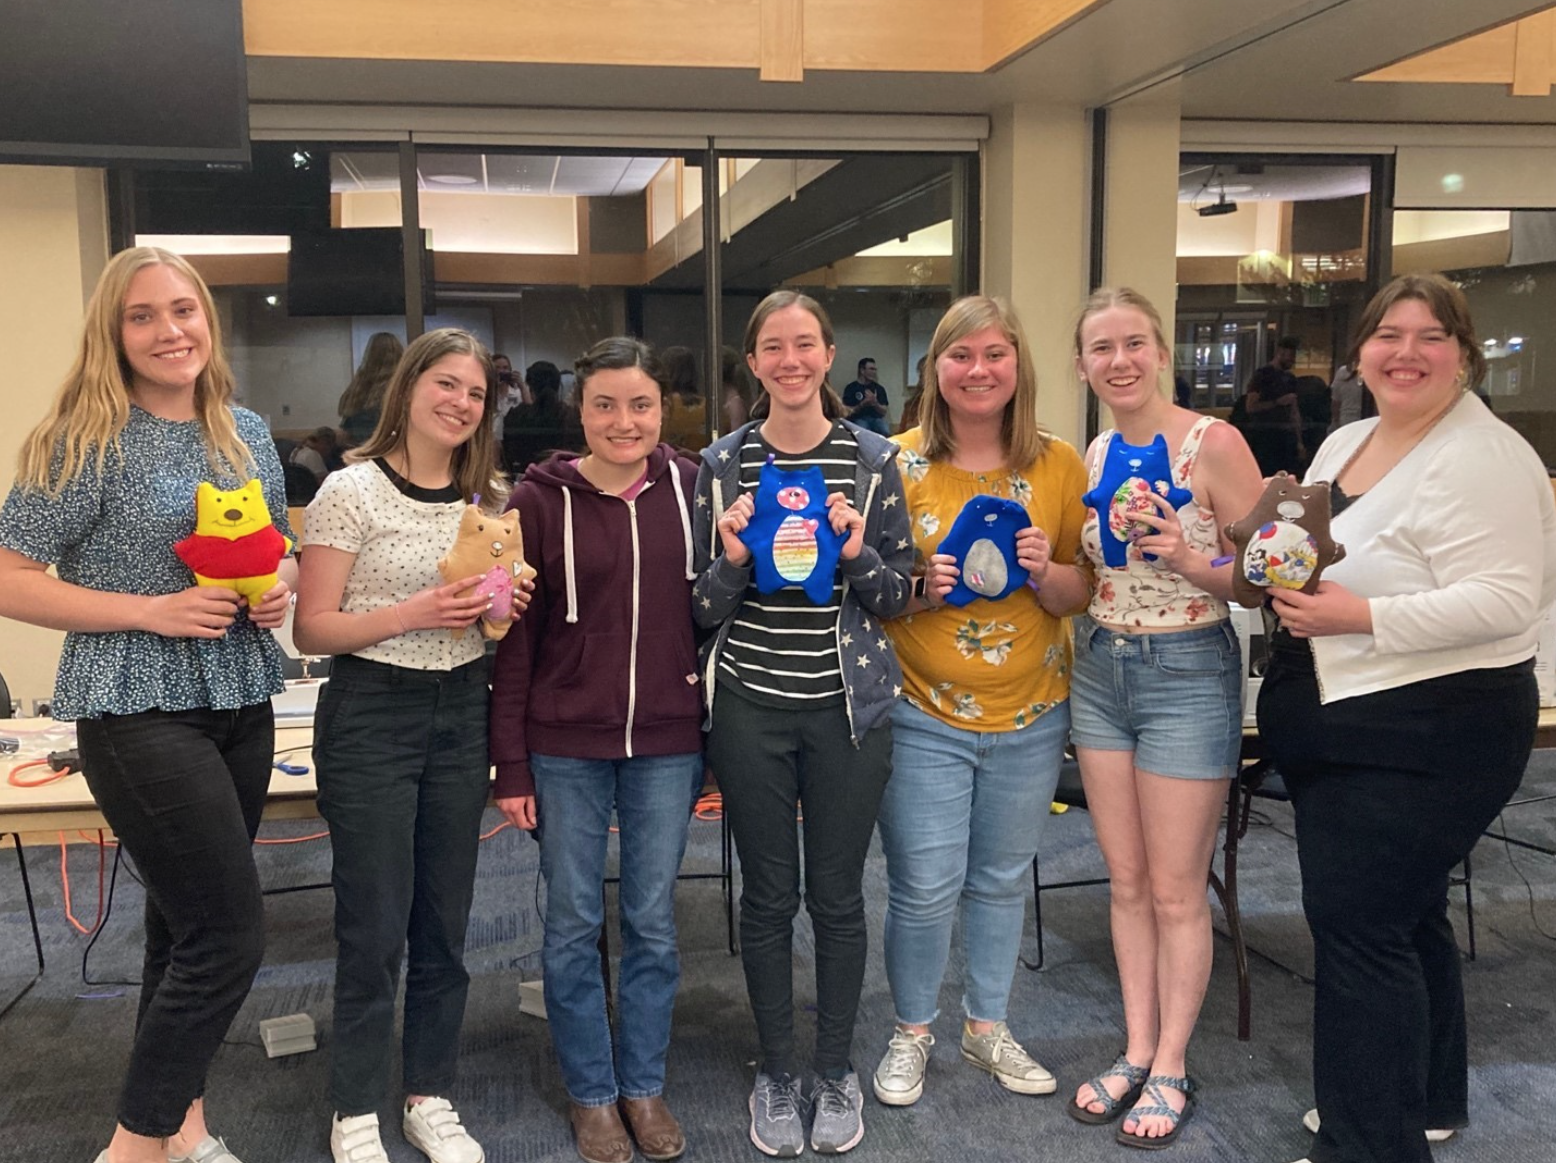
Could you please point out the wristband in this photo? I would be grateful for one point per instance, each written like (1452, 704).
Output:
(919, 589)
(399, 617)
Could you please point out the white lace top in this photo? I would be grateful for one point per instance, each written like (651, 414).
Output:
(1144, 595)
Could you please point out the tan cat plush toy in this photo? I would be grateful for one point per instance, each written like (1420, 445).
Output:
(494, 548)
(1284, 542)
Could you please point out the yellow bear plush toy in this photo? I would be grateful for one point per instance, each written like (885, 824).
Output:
(234, 543)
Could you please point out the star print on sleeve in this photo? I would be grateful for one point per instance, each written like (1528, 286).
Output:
(707, 604)
(891, 499)
(846, 640)
(702, 502)
(862, 660)
(865, 622)
(723, 454)
(903, 544)
(882, 644)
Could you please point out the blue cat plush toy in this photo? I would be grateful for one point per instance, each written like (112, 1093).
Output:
(983, 541)
(1129, 473)
(791, 541)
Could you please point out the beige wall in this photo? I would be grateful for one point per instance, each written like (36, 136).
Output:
(1140, 228)
(53, 234)
(1035, 253)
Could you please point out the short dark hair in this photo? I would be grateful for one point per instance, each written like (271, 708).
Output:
(618, 353)
(543, 377)
(862, 362)
(1288, 343)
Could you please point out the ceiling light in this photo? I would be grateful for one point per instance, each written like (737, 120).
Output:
(453, 179)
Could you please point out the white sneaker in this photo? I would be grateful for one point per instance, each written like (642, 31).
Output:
(1436, 1135)
(354, 1139)
(899, 1079)
(432, 1126)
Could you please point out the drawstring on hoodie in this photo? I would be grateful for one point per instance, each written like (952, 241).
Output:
(686, 520)
(567, 554)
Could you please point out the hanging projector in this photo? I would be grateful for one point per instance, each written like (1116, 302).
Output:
(1217, 208)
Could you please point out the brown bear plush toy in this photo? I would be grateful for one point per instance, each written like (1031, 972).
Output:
(1284, 542)
(492, 547)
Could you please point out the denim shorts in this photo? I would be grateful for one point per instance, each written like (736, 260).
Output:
(1175, 700)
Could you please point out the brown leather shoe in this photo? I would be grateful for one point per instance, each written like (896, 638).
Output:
(600, 1136)
(654, 1127)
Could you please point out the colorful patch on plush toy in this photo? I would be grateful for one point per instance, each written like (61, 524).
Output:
(235, 544)
(1129, 475)
(1284, 542)
(983, 541)
(493, 549)
(791, 541)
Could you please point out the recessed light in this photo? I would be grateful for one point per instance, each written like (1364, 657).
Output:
(453, 179)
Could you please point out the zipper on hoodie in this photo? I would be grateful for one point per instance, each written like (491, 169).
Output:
(632, 658)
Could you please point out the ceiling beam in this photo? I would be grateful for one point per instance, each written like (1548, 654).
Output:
(1520, 54)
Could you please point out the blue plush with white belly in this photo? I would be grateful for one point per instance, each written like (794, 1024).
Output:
(983, 541)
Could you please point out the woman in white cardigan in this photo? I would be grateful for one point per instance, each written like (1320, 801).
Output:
(1400, 706)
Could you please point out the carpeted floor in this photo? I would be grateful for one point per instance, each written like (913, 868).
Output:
(62, 1047)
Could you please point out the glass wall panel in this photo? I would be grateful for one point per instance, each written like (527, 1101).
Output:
(1506, 263)
(305, 261)
(1273, 266)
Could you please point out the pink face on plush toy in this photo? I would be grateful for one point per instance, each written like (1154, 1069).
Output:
(793, 497)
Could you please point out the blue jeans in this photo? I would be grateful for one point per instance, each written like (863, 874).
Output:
(653, 796)
(960, 824)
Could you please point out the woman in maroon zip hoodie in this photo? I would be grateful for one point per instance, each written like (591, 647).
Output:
(596, 709)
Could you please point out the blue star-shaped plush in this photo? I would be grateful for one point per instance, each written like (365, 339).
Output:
(1129, 472)
(983, 541)
(791, 541)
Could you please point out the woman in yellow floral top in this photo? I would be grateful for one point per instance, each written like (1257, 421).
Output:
(1157, 712)
(980, 732)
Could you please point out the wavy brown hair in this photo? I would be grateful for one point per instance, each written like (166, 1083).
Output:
(379, 359)
(831, 403)
(92, 406)
(1022, 437)
(473, 466)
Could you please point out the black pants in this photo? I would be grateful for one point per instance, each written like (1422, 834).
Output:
(1391, 791)
(183, 792)
(403, 776)
(766, 760)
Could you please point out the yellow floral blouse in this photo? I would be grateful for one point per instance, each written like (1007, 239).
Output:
(988, 666)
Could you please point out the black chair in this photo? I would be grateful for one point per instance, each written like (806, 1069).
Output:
(21, 862)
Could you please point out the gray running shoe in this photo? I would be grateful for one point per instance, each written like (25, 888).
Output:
(899, 1079)
(837, 1114)
(776, 1126)
(1002, 1056)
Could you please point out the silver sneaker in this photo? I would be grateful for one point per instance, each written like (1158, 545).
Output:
(899, 1079)
(837, 1114)
(1002, 1056)
(776, 1126)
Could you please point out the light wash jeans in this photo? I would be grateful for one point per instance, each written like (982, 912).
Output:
(960, 824)
(652, 796)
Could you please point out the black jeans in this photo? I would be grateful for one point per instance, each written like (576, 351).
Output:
(766, 760)
(183, 792)
(1391, 791)
(403, 775)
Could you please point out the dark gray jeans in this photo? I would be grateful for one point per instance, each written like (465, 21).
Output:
(183, 792)
(401, 757)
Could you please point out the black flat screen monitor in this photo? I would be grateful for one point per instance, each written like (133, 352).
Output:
(123, 82)
(360, 271)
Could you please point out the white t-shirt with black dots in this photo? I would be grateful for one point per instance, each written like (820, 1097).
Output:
(397, 540)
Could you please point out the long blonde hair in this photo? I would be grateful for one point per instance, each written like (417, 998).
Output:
(1024, 440)
(92, 406)
(473, 465)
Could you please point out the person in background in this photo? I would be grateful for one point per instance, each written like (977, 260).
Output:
(685, 411)
(978, 736)
(1273, 424)
(1156, 713)
(362, 400)
(400, 739)
(543, 425)
(736, 388)
(317, 452)
(1347, 396)
(168, 683)
(865, 400)
(799, 703)
(1400, 705)
(596, 714)
(510, 393)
